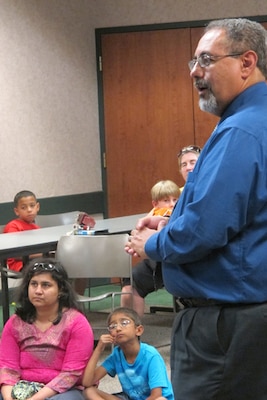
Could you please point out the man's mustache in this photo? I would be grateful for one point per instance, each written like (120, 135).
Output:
(201, 84)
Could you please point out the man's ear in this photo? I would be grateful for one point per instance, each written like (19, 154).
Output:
(249, 63)
(16, 211)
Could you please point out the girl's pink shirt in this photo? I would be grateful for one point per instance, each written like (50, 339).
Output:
(56, 357)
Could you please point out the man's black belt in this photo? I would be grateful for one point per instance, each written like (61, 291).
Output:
(195, 302)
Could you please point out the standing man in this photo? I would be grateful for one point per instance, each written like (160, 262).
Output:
(214, 248)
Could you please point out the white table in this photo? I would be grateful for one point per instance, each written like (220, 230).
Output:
(45, 240)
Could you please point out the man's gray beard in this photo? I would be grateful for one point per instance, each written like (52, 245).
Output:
(209, 105)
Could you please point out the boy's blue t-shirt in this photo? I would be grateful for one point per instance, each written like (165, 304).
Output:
(146, 373)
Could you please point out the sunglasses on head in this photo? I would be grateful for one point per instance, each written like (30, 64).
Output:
(188, 149)
(44, 267)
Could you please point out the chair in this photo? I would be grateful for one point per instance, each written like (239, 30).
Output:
(66, 218)
(13, 278)
(100, 256)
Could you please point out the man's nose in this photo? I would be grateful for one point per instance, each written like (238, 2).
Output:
(197, 71)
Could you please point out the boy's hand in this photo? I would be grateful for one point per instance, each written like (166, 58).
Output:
(104, 340)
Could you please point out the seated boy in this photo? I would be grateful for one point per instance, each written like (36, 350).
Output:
(147, 274)
(139, 366)
(26, 208)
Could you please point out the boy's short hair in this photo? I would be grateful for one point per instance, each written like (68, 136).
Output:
(129, 312)
(23, 193)
(163, 189)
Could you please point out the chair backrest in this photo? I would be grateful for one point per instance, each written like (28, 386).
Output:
(100, 256)
(45, 221)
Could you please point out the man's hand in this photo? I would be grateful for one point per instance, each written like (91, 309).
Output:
(145, 228)
(155, 223)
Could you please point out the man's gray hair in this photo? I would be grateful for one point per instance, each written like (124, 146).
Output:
(243, 35)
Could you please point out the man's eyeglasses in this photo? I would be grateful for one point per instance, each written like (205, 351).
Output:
(204, 60)
(44, 267)
(123, 323)
(188, 149)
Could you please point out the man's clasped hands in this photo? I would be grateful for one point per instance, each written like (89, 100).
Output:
(145, 228)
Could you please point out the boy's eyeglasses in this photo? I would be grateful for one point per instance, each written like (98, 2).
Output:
(123, 323)
(188, 149)
(44, 267)
(204, 60)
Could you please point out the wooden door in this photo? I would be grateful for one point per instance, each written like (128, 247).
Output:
(148, 113)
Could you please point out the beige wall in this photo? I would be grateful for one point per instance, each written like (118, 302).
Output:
(49, 135)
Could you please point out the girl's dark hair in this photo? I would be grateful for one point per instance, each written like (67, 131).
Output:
(67, 296)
